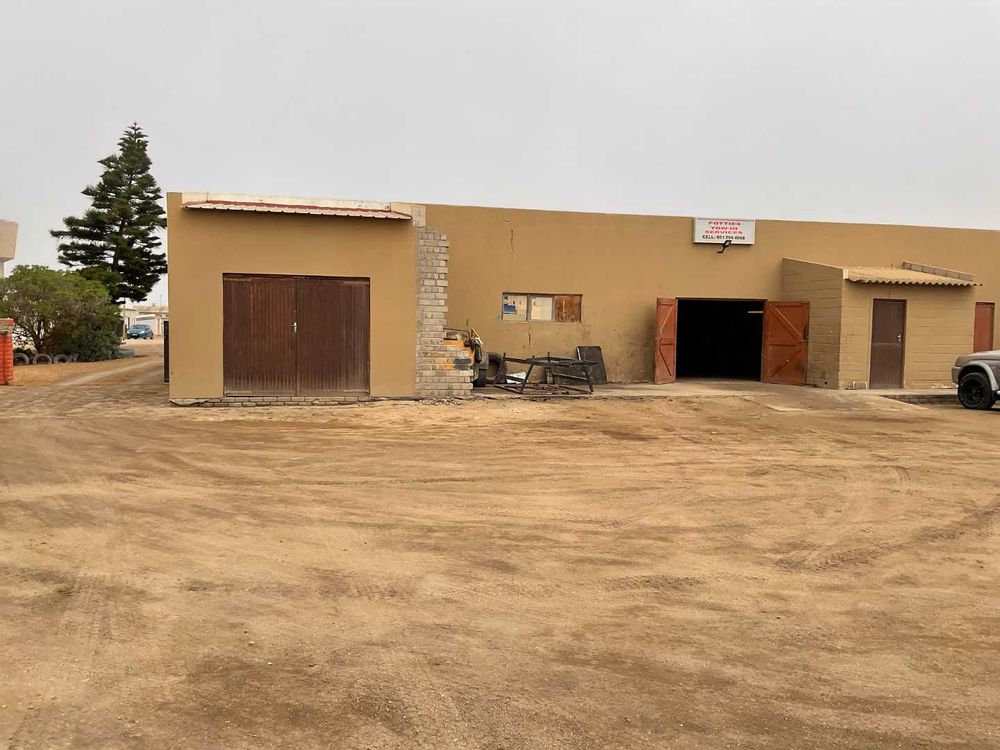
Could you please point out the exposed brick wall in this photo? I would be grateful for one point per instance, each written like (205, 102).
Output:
(442, 370)
(6, 351)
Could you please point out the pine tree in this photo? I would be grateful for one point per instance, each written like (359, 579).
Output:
(116, 241)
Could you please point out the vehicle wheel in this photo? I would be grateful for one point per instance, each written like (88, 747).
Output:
(480, 380)
(42, 359)
(974, 391)
(493, 366)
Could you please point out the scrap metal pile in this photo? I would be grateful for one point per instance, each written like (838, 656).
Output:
(556, 375)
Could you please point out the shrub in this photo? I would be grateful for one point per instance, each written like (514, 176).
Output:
(60, 312)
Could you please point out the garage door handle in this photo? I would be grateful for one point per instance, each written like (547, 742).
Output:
(295, 327)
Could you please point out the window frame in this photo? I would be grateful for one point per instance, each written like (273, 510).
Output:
(528, 296)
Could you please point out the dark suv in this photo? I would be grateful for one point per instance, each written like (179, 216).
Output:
(978, 379)
(139, 331)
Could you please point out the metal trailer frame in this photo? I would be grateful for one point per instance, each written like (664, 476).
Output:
(556, 368)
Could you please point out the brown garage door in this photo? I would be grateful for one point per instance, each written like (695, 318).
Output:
(332, 338)
(888, 331)
(982, 337)
(295, 335)
(258, 334)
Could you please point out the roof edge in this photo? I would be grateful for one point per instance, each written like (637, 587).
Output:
(903, 276)
(937, 271)
(284, 200)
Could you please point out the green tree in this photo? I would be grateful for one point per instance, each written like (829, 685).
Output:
(116, 242)
(60, 312)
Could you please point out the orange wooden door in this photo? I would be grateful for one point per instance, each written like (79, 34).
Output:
(982, 337)
(665, 370)
(786, 337)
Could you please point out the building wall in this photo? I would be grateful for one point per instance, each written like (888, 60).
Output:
(822, 287)
(8, 243)
(621, 264)
(939, 324)
(203, 245)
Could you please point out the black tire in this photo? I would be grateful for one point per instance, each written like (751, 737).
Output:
(974, 391)
(60, 359)
(480, 380)
(22, 359)
(492, 370)
(41, 359)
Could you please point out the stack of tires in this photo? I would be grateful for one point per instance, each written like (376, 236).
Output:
(28, 357)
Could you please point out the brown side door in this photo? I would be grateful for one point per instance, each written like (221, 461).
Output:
(258, 335)
(785, 350)
(982, 338)
(332, 336)
(888, 343)
(665, 368)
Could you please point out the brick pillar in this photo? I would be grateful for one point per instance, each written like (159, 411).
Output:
(442, 370)
(6, 351)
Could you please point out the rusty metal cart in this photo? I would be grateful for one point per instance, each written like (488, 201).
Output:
(555, 371)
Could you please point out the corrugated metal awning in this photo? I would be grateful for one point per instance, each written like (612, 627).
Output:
(283, 205)
(887, 275)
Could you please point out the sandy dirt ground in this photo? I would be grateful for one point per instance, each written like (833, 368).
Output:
(148, 356)
(793, 569)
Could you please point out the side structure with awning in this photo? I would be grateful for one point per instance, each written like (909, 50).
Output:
(883, 327)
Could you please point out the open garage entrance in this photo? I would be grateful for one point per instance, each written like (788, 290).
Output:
(719, 338)
(744, 339)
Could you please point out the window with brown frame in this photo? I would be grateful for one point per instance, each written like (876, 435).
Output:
(542, 308)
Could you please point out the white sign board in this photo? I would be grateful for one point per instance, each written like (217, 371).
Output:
(717, 231)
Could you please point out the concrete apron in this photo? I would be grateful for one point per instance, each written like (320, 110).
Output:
(777, 397)
(800, 396)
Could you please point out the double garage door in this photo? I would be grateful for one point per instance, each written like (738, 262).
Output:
(779, 348)
(295, 335)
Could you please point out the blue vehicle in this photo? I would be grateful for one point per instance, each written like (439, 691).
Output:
(139, 331)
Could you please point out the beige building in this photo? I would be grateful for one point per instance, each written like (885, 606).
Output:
(306, 298)
(8, 243)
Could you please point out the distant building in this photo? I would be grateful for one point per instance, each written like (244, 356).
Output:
(8, 239)
(150, 315)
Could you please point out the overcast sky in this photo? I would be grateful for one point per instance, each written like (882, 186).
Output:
(857, 110)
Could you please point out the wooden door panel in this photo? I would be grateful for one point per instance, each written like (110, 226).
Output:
(982, 337)
(785, 350)
(665, 367)
(333, 336)
(888, 343)
(258, 337)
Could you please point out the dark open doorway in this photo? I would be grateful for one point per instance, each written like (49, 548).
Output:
(719, 338)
